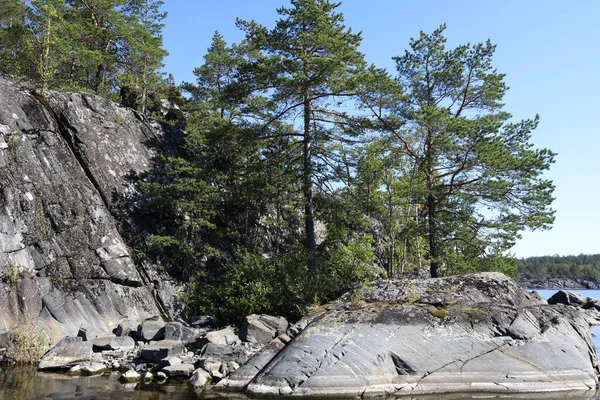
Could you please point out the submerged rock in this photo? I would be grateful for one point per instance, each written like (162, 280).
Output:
(475, 333)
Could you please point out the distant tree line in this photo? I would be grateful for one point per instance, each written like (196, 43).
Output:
(581, 266)
(303, 167)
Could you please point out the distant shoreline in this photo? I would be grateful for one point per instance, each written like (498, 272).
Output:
(559, 282)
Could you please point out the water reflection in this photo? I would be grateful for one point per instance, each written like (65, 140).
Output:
(21, 383)
(24, 383)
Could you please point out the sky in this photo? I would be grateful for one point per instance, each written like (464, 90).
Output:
(548, 49)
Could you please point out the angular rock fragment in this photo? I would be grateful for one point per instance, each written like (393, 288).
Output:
(151, 330)
(155, 352)
(262, 328)
(199, 378)
(66, 354)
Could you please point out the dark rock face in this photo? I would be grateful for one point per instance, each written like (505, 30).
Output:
(568, 298)
(65, 159)
(477, 333)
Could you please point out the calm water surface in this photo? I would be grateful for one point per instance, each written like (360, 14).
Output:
(25, 383)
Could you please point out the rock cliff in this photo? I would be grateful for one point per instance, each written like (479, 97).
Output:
(65, 165)
(475, 333)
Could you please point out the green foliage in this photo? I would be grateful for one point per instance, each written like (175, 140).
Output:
(280, 284)
(479, 177)
(96, 45)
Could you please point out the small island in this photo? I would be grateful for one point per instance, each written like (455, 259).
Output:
(296, 221)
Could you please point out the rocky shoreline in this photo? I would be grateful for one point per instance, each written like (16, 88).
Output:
(561, 282)
(475, 333)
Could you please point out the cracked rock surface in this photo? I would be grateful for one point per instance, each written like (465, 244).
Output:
(65, 159)
(476, 333)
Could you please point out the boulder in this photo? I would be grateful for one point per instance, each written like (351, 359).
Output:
(492, 336)
(126, 327)
(177, 331)
(224, 336)
(124, 343)
(199, 378)
(167, 362)
(151, 329)
(179, 370)
(568, 298)
(130, 376)
(66, 354)
(262, 328)
(88, 369)
(225, 353)
(157, 351)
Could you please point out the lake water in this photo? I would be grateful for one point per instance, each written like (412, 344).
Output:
(25, 383)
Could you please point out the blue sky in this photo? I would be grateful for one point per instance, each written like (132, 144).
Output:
(548, 49)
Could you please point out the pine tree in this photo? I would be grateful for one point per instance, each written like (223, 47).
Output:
(311, 65)
(481, 174)
(142, 40)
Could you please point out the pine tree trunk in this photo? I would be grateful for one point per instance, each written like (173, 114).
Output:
(311, 243)
(434, 245)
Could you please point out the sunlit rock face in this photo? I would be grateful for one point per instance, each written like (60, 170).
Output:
(67, 167)
(476, 333)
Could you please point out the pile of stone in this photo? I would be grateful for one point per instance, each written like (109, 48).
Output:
(158, 350)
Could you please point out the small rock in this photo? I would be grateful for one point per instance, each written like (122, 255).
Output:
(199, 378)
(130, 376)
(209, 365)
(232, 366)
(161, 376)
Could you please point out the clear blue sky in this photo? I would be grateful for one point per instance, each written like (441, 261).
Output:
(548, 49)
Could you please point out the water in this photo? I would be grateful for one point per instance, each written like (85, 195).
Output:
(25, 383)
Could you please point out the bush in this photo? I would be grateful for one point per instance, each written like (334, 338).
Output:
(280, 284)
(26, 344)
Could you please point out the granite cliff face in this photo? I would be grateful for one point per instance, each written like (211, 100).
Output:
(65, 165)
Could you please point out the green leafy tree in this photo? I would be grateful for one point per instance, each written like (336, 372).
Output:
(311, 65)
(482, 176)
